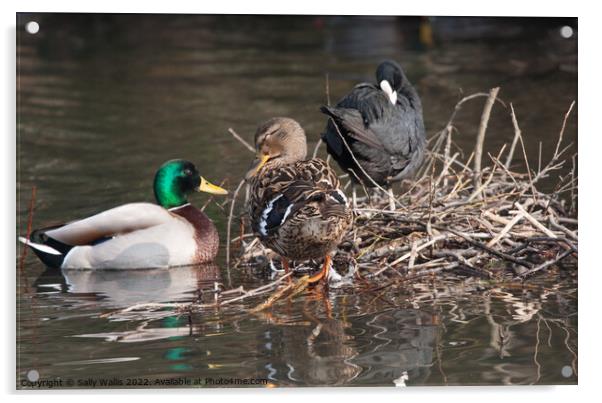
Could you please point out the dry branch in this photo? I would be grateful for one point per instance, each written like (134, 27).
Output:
(241, 140)
(478, 151)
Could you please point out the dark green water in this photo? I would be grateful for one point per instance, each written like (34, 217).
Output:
(103, 101)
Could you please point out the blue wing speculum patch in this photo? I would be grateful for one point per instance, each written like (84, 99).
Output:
(274, 214)
(280, 208)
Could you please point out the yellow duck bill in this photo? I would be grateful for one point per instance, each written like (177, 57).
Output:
(209, 187)
(257, 164)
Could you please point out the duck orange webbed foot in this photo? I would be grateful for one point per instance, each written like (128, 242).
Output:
(287, 268)
(323, 272)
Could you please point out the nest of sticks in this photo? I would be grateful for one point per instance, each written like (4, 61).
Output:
(478, 218)
(481, 221)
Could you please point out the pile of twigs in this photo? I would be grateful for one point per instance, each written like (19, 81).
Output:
(471, 217)
(468, 219)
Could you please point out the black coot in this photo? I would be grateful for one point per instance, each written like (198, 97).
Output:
(382, 124)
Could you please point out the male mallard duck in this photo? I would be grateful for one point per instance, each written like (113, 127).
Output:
(383, 126)
(138, 235)
(296, 206)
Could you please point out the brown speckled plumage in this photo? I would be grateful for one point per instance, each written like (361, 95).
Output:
(317, 213)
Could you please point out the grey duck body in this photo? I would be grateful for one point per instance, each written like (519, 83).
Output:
(132, 236)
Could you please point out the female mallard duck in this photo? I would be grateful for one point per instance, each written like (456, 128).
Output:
(138, 235)
(296, 206)
(382, 125)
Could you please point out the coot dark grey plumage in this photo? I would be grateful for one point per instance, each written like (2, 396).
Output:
(382, 124)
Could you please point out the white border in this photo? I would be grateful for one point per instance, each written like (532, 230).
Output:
(589, 168)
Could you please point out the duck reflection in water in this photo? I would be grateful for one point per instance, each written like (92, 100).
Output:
(370, 349)
(114, 289)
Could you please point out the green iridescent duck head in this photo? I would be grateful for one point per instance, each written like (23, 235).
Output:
(176, 179)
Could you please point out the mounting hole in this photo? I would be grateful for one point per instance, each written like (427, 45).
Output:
(566, 371)
(33, 375)
(566, 32)
(32, 27)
